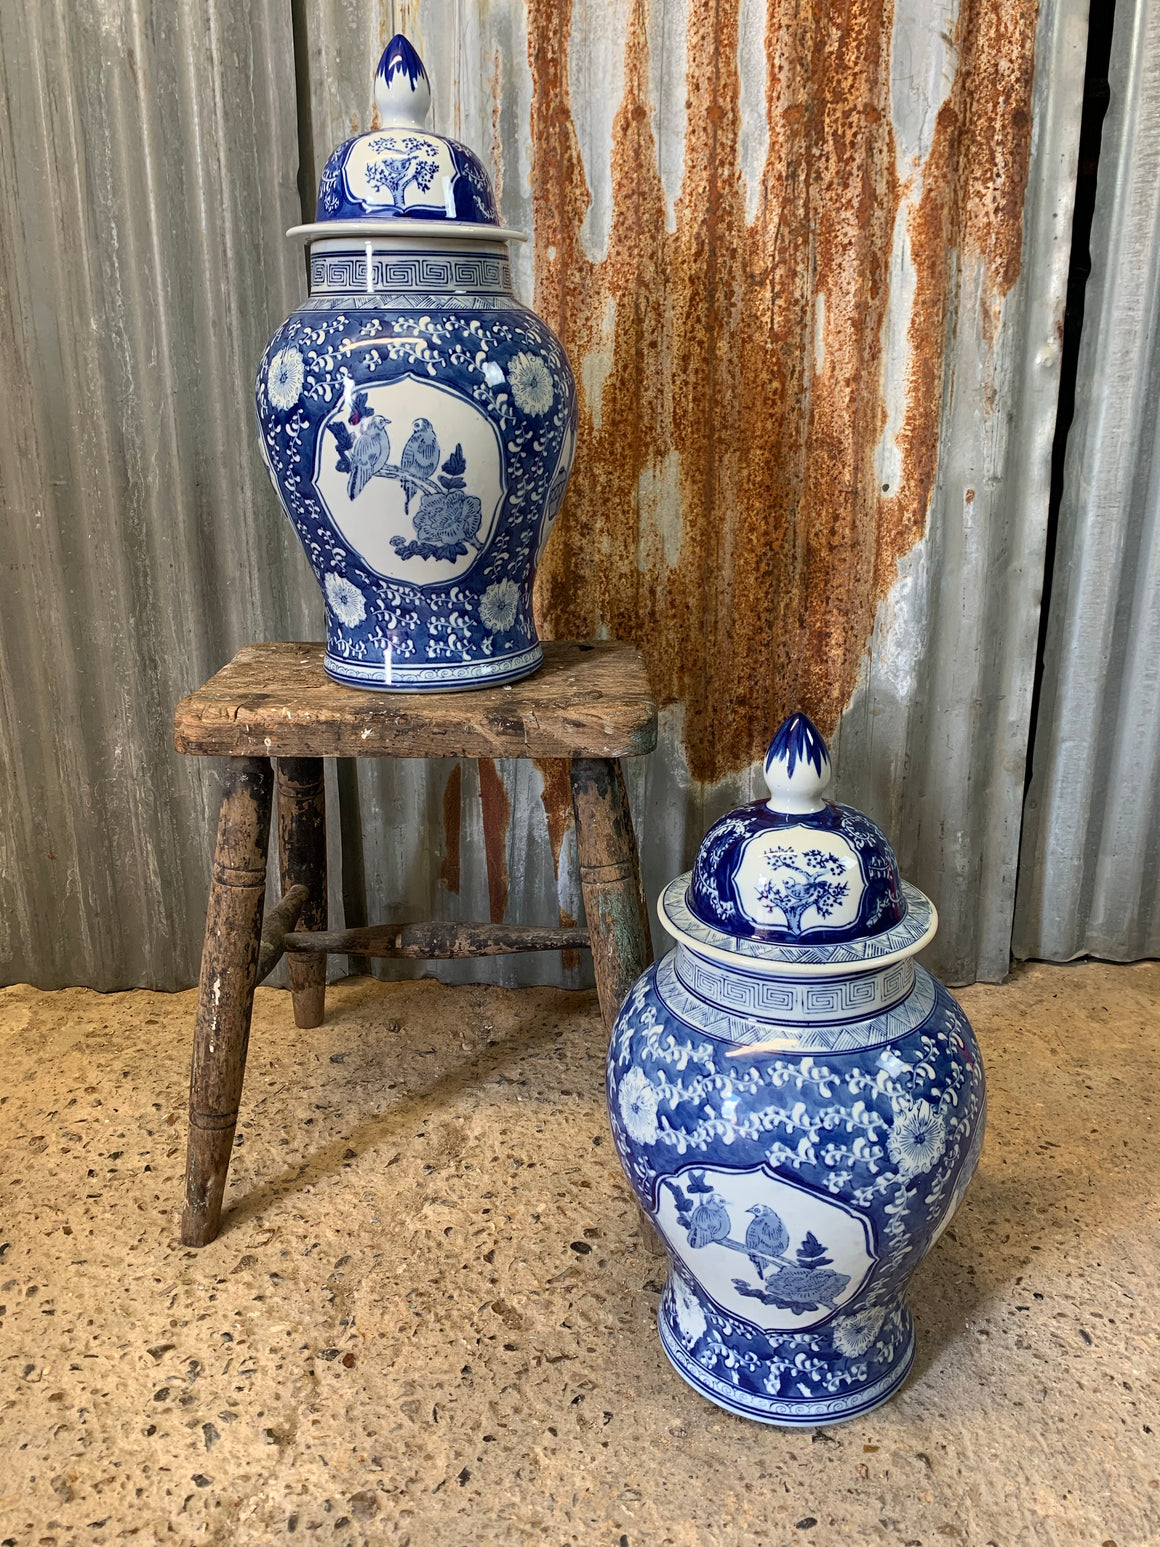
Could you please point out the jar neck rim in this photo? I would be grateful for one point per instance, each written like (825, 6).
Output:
(412, 274)
(858, 994)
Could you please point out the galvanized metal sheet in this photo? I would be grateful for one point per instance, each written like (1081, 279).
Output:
(808, 264)
(934, 741)
(1089, 881)
(146, 176)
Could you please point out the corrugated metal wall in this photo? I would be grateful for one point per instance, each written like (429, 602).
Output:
(147, 168)
(810, 265)
(934, 740)
(1090, 875)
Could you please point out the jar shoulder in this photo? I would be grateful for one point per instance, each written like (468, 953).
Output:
(339, 335)
(660, 1010)
(402, 308)
(898, 1121)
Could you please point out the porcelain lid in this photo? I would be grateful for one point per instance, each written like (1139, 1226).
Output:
(402, 176)
(798, 878)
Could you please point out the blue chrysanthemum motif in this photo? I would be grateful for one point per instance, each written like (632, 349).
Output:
(918, 1137)
(638, 1107)
(854, 1335)
(498, 606)
(284, 379)
(531, 383)
(347, 602)
(690, 1318)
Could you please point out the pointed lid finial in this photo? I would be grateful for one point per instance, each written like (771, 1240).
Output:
(402, 89)
(797, 767)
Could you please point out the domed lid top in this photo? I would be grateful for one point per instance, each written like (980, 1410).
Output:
(796, 869)
(402, 171)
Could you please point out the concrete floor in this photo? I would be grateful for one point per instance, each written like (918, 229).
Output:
(429, 1316)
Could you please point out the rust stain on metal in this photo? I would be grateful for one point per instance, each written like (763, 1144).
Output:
(974, 183)
(999, 41)
(449, 872)
(726, 513)
(495, 142)
(556, 797)
(497, 813)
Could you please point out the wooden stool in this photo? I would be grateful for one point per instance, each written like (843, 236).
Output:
(590, 703)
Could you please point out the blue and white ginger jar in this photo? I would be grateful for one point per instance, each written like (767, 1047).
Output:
(418, 422)
(798, 1106)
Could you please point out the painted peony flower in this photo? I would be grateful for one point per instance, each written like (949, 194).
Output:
(346, 600)
(855, 1335)
(637, 1100)
(531, 383)
(284, 378)
(497, 606)
(917, 1139)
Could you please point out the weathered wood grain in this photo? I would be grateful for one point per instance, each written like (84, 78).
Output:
(610, 880)
(614, 903)
(302, 862)
(229, 965)
(591, 700)
(438, 940)
(274, 929)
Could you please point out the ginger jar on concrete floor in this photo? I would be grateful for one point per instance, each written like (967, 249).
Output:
(798, 1106)
(418, 422)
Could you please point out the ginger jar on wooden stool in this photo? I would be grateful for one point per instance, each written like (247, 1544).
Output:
(418, 422)
(797, 1104)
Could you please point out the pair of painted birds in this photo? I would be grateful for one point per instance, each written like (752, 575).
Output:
(765, 1237)
(370, 455)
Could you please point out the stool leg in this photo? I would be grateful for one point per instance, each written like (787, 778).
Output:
(233, 930)
(302, 862)
(613, 900)
(610, 880)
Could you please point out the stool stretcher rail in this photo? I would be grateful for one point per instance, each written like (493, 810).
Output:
(437, 941)
(278, 922)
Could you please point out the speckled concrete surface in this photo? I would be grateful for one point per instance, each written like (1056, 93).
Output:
(429, 1318)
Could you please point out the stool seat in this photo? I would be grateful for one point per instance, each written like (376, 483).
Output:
(275, 700)
(274, 707)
